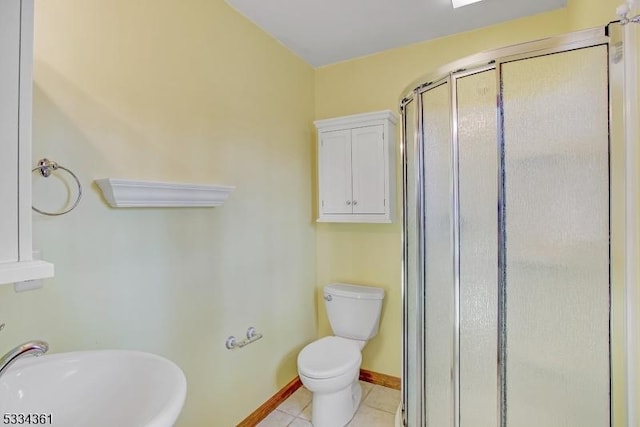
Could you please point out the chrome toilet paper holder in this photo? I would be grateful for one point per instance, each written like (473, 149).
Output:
(252, 336)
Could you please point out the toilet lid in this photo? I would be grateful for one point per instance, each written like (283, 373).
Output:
(328, 357)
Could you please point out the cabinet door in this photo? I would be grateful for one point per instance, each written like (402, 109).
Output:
(9, 84)
(335, 172)
(368, 169)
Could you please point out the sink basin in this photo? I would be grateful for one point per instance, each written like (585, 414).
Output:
(103, 388)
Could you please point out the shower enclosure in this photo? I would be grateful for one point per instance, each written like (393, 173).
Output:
(508, 244)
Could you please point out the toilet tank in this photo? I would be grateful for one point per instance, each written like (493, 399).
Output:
(353, 310)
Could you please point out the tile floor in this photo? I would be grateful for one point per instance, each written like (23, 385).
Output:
(377, 409)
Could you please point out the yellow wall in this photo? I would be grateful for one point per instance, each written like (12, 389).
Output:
(186, 91)
(371, 254)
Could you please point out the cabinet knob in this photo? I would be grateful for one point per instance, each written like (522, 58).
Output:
(355, 202)
(348, 202)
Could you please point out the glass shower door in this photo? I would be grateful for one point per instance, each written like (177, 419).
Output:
(412, 270)
(556, 187)
(477, 150)
(507, 241)
(439, 363)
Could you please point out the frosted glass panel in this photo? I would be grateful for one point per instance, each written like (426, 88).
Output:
(478, 192)
(436, 113)
(412, 280)
(557, 231)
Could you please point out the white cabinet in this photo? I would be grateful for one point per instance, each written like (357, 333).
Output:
(356, 178)
(16, 76)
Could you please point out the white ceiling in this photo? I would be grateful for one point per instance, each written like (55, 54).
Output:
(327, 31)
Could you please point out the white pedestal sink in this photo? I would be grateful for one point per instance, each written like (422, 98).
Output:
(103, 388)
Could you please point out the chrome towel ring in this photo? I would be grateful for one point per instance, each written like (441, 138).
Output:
(46, 167)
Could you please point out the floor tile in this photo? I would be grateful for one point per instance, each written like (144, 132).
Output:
(300, 423)
(366, 388)
(306, 412)
(371, 417)
(296, 402)
(276, 419)
(383, 398)
(377, 409)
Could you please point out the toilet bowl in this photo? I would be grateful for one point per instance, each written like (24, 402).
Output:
(329, 367)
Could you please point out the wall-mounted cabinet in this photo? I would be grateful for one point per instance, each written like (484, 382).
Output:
(356, 168)
(16, 79)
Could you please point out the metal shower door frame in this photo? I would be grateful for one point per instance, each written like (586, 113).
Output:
(473, 64)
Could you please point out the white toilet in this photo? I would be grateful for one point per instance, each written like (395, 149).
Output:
(330, 366)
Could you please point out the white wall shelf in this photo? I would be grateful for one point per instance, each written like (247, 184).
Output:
(126, 193)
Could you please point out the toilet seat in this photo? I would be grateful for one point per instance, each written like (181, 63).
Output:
(329, 357)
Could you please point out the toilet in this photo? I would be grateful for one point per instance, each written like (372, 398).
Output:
(329, 367)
